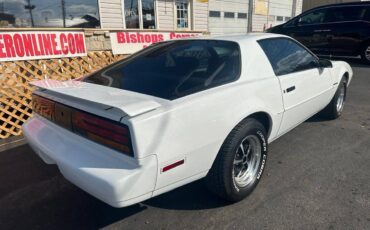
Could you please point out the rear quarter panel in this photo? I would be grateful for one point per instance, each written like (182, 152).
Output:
(194, 127)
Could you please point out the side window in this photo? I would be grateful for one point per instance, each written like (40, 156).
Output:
(342, 14)
(286, 56)
(367, 14)
(315, 17)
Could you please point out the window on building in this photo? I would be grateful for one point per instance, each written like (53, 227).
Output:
(49, 13)
(140, 14)
(132, 14)
(287, 18)
(242, 15)
(148, 14)
(287, 56)
(182, 14)
(215, 14)
(279, 18)
(229, 14)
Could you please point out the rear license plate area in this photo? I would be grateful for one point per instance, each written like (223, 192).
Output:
(63, 116)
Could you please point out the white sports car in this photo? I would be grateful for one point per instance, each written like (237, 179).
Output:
(182, 110)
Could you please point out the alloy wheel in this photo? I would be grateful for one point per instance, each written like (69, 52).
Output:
(341, 98)
(246, 161)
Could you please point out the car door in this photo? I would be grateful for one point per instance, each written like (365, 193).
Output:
(305, 87)
(345, 28)
(310, 30)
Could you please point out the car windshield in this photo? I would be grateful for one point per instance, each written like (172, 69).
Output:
(174, 69)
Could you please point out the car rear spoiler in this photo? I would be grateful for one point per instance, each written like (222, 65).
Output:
(76, 93)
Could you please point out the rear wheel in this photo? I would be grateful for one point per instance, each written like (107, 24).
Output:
(365, 53)
(335, 107)
(240, 162)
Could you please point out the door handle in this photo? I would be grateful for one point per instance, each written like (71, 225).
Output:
(320, 31)
(290, 89)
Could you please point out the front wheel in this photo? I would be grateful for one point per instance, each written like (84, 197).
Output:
(335, 107)
(240, 162)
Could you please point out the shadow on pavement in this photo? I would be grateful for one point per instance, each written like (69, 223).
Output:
(35, 195)
(194, 196)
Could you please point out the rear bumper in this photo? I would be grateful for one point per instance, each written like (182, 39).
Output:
(114, 178)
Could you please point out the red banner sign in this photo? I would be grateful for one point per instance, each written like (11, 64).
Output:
(41, 45)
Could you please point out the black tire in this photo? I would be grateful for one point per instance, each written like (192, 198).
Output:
(220, 179)
(332, 111)
(365, 53)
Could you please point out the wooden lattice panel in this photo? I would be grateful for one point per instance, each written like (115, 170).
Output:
(15, 92)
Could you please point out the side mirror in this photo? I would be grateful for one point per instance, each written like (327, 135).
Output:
(324, 63)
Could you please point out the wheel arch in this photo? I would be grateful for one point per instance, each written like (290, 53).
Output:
(265, 120)
(262, 116)
(346, 76)
(342, 69)
(362, 45)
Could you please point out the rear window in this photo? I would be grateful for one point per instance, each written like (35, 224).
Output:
(174, 69)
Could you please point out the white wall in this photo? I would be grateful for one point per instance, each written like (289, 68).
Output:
(199, 16)
(222, 25)
(281, 7)
(277, 8)
(165, 14)
(111, 14)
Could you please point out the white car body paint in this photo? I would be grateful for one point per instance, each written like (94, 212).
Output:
(191, 128)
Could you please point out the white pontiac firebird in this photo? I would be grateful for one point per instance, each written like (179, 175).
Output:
(182, 110)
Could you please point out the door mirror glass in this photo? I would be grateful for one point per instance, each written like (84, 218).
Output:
(324, 63)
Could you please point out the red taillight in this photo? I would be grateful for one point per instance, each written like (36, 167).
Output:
(106, 132)
(114, 135)
(44, 107)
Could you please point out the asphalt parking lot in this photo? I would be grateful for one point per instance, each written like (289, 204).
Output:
(317, 177)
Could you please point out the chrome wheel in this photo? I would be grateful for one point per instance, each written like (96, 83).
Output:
(341, 97)
(246, 161)
(367, 53)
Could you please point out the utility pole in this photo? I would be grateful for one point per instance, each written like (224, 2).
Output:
(250, 15)
(64, 13)
(30, 7)
(268, 14)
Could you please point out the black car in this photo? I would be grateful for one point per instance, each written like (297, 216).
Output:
(332, 30)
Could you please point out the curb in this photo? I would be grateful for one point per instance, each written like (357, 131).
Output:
(12, 142)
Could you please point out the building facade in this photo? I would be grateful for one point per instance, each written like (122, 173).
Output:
(214, 16)
(242, 16)
(106, 14)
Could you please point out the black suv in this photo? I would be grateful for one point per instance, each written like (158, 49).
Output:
(332, 30)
